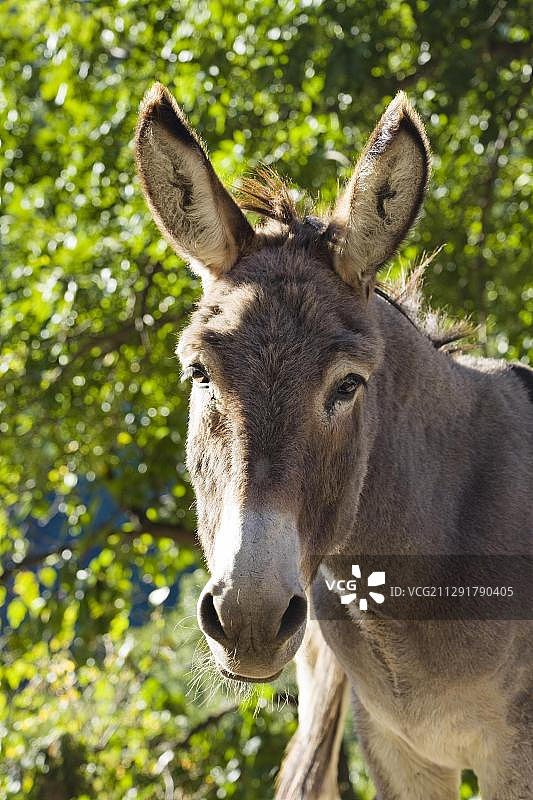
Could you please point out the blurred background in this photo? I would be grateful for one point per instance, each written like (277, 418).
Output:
(104, 690)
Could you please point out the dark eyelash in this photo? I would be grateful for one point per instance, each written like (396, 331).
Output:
(189, 373)
(334, 399)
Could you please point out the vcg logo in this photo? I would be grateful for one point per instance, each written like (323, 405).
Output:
(347, 589)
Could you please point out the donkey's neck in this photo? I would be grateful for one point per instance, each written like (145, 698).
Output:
(422, 453)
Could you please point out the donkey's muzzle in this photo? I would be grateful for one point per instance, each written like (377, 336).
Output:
(253, 610)
(254, 633)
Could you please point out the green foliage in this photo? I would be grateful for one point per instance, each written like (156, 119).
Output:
(119, 723)
(91, 300)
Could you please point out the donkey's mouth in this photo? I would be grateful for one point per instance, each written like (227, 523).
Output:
(247, 678)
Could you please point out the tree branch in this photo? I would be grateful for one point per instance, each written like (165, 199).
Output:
(211, 720)
(160, 530)
(31, 561)
(214, 718)
(512, 50)
(37, 558)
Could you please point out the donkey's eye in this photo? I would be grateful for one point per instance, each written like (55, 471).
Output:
(198, 375)
(346, 389)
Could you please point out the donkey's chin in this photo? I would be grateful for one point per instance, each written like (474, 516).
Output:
(251, 666)
(250, 670)
(234, 676)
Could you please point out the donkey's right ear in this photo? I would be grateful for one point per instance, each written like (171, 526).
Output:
(383, 196)
(192, 209)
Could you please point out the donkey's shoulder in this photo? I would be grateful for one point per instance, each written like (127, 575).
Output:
(498, 374)
(525, 375)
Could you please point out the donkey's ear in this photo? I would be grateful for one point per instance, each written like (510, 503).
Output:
(383, 196)
(189, 204)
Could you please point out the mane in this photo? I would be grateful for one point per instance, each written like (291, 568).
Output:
(267, 195)
(405, 292)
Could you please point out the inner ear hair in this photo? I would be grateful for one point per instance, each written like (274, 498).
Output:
(384, 194)
(190, 206)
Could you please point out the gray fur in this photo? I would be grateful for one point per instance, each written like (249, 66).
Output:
(432, 455)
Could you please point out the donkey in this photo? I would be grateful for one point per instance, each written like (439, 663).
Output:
(322, 422)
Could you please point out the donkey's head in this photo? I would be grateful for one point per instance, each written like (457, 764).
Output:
(281, 352)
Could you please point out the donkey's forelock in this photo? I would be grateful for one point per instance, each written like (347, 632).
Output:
(268, 195)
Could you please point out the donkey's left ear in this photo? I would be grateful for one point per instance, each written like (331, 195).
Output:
(192, 209)
(383, 196)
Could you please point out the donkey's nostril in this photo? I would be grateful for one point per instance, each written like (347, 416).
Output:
(209, 619)
(230, 624)
(294, 616)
